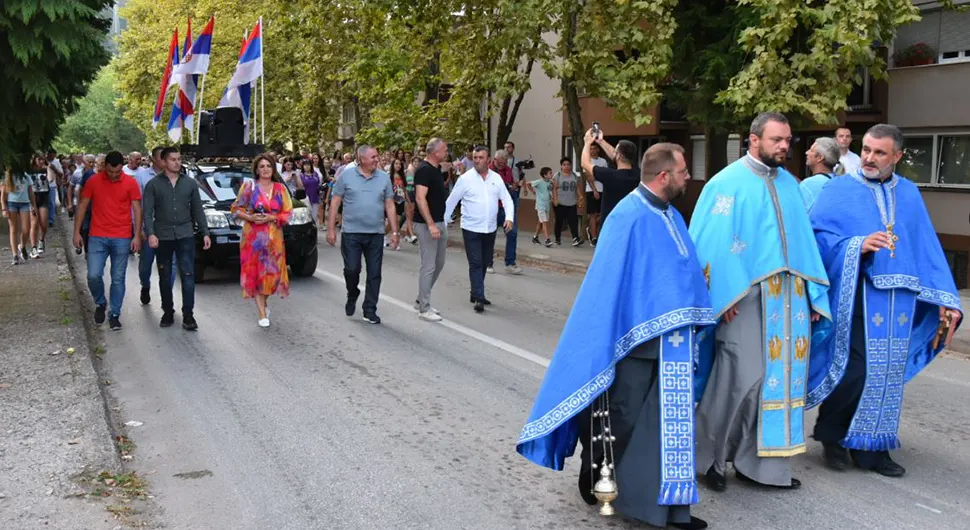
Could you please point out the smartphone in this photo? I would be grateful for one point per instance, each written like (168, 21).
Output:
(596, 129)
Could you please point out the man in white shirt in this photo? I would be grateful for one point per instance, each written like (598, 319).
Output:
(55, 176)
(848, 161)
(480, 190)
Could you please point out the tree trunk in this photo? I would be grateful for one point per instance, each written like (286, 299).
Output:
(574, 113)
(504, 124)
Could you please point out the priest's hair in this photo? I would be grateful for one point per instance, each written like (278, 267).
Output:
(885, 130)
(657, 159)
(761, 120)
(829, 149)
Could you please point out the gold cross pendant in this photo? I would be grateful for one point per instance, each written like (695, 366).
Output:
(893, 238)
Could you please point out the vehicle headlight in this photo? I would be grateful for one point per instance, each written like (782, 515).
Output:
(301, 216)
(216, 219)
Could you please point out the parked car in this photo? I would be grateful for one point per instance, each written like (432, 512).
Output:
(219, 186)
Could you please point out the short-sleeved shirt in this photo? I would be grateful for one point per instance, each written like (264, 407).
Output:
(543, 189)
(617, 184)
(21, 188)
(111, 205)
(597, 162)
(363, 200)
(567, 185)
(40, 183)
(431, 177)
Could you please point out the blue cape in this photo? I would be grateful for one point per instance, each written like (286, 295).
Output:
(740, 245)
(644, 281)
(919, 265)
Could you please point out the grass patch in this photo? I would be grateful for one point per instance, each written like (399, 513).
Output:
(120, 511)
(125, 445)
(126, 485)
(65, 296)
(99, 350)
(67, 321)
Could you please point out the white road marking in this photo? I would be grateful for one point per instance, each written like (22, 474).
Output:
(466, 331)
(925, 507)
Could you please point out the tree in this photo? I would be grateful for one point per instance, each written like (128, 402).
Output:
(298, 103)
(618, 51)
(50, 51)
(805, 56)
(98, 125)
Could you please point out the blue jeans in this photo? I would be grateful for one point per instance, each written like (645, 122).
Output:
(371, 247)
(146, 259)
(51, 205)
(99, 249)
(512, 237)
(184, 251)
(478, 248)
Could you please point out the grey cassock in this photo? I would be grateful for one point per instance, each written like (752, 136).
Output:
(727, 417)
(635, 417)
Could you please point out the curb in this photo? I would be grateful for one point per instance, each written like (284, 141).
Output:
(85, 307)
(534, 260)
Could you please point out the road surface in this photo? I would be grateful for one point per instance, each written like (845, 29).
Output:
(323, 421)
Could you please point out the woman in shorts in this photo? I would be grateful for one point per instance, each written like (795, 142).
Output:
(42, 191)
(17, 201)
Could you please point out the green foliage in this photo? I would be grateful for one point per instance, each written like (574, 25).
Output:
(98, 125)
(805, 55)
(50, 50)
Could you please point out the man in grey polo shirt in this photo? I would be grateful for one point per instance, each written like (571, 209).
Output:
(366, 194)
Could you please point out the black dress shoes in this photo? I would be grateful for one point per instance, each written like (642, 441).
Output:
(889, 468)
(479, 307)
(836, 456)
(715, 480)
(696, 523)
(483, 300)
(795, 483)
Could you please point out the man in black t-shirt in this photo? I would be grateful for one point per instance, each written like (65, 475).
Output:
(617, 183)
(429, 224)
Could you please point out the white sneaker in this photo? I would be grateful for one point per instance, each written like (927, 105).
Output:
(490, 270)
(40, 247)
(34, 254)
(513, 269)
(417, 307)
(263, 322)
(430, 316)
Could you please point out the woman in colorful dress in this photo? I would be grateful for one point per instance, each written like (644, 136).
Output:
(265, 206)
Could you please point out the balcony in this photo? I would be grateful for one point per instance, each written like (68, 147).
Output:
(932, 95)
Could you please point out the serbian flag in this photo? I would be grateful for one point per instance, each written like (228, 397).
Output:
(173, 59)
(196, 60)
(249, 68)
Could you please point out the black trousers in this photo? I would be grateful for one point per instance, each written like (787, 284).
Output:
(836, 412)
(479, 249)
(370, 247)
(566, 214)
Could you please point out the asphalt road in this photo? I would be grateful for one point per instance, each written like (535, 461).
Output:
(322, 421)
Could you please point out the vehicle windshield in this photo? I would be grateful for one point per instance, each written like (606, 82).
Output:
(224, 184)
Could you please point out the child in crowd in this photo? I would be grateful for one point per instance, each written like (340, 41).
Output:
(542, 188)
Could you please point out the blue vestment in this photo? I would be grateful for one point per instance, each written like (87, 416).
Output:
(750, 227)
(811, 187)
(644, 282)
(902, 291)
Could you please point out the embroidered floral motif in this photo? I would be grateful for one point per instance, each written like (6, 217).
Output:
(801, 348)
(774, 286)
(738, 246)
(723, 206)
(707, 274)
(799, 286)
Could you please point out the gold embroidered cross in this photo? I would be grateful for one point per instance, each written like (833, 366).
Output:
(893, 238)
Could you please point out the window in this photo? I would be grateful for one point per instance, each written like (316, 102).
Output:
(937, 159)
(917, 161)
(954, 164)
(698, 158)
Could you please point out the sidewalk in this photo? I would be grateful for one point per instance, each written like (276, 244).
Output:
(566, 258)
(54, 436)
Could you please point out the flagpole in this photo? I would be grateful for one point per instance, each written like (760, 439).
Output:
(198, 115)
(262, 86)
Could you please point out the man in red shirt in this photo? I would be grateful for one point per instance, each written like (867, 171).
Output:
(113, 197)
(500, 165)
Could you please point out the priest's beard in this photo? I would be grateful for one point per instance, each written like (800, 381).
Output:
(771, 161)
(673, 191)
(875, 172)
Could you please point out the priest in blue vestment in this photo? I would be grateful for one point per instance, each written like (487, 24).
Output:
(755, 243)
(895, 304)
(627, 348)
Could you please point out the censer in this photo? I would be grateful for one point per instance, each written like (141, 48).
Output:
(604, 489)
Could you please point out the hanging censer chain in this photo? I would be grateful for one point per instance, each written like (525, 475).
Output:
(604, 489)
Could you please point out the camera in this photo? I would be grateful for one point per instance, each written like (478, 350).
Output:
(596, 130)
(525, 164)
